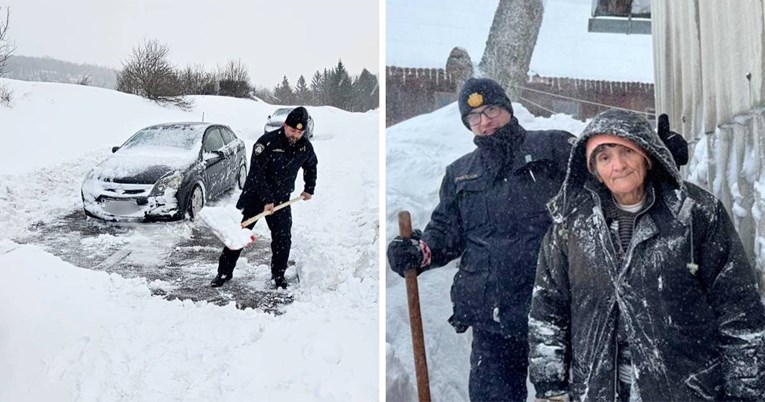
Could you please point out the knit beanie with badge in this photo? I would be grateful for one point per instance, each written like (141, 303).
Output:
(478, 92)
(298, 118)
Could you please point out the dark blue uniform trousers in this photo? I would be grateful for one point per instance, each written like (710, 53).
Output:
(498, 367)
(280, 224)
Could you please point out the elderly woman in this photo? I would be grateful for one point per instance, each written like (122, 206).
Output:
(643, 291)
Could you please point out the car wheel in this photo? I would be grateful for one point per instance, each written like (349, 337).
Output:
(196, 202)
(242, 177)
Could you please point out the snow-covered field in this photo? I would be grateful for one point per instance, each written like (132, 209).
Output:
(72, 334)
(419, 150)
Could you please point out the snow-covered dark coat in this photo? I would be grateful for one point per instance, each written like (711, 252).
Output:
(492, 213)
(693, 335)
(274, 167)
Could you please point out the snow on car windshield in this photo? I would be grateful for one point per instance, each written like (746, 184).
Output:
(282, 112)
(174, 146)
(175, 136)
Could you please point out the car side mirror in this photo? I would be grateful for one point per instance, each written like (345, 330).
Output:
(114, 149)
(208, 155)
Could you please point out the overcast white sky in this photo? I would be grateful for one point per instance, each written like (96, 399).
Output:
(273, 38)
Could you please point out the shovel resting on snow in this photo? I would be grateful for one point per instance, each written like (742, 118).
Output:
(235, 237)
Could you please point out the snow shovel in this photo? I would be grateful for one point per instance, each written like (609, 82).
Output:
(236, 238)
(415, 318)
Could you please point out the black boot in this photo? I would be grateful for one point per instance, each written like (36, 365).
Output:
(279, 282)
(220, 279)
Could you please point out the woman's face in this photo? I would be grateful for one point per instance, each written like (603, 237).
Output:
(623, 171)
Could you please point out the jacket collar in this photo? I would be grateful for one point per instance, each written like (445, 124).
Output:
(524, 150)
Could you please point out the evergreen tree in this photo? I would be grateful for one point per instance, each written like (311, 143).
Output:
(283, 92)
(316, 88)
(365, 92)
(326, 87)
(302, 94)
(341, 87)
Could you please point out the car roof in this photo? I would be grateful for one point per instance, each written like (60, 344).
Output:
(189, 125)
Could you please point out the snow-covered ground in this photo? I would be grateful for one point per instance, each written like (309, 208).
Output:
(418, 151)
(72, 334)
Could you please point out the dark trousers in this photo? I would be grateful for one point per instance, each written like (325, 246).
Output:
(498, 367)
(280, 224)
(624, 391)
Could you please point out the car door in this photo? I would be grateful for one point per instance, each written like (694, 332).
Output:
(232, 157)
(213, 155)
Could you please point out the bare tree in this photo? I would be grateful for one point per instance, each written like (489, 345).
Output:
(84, 80)
(149, 73)
(234, 70)
(511, 43)
(234, 79)
(194, 80)
(6, 49)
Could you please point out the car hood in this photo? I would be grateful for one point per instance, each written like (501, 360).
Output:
(143, 167)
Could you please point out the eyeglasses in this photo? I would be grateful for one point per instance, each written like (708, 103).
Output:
(491, 111)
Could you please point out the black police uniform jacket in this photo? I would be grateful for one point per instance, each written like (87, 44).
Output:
(492, 214)
(693, 334)
(274, 167)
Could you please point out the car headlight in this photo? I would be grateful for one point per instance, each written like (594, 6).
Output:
(168, 182)
(89, 183)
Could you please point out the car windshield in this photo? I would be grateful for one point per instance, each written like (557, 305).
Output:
(181, 137)
(281, 112)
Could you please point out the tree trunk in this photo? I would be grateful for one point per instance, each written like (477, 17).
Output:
(511, 43)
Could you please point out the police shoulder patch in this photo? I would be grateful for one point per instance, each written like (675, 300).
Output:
(258, 149)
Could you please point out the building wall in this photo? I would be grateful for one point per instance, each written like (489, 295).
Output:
(709, 70)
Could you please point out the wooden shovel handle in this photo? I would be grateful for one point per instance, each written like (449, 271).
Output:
(415, 317)
(276, 208)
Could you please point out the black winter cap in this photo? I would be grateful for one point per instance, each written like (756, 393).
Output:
(481, 91)
(298, 118)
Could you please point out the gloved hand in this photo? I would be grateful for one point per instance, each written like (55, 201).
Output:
(675, 142)
(663, 127)
(556, 398)
(404, 254)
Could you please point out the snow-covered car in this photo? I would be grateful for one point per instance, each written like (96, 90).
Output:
(276, 120)
(166, 171)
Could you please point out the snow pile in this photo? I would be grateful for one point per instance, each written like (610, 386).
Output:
(224, 222)
(75, 334)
